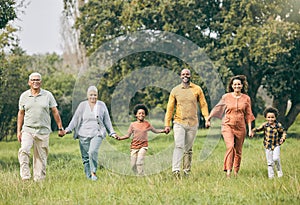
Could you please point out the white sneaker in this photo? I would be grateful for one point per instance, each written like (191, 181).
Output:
(279, 174)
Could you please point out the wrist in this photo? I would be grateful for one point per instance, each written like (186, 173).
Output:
(60, 129)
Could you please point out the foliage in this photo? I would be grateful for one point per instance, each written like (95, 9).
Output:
(55, 80)
(12, 73)
(7, 12)
(261, 40)
(61, 85)
(101, 22)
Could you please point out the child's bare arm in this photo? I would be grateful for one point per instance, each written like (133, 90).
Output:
(157, 131)
(123, 137)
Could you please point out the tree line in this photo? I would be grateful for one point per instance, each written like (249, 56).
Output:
(260, 39)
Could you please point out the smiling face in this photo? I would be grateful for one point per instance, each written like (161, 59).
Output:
(185, 76)
(35, 82)
(271, 118)
(92, 96)
(140, 115)
(237, 86)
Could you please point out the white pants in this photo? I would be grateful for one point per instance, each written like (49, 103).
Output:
(40, 145)
(273, 160)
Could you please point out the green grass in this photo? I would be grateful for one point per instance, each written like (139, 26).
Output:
(66, 183)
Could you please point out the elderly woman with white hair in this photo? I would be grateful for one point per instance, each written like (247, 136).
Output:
(90, 122)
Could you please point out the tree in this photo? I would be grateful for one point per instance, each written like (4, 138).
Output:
(102, 21)
(13, 71)
(56, 80)
(258, 40)
(7, 12)
(74, 52)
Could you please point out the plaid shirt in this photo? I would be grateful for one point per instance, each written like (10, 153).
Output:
(273, 134)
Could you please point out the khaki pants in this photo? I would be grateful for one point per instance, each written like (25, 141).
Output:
(137, 160)
(40, 145)
(184, 137)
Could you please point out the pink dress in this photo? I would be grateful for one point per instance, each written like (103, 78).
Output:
(238, 114)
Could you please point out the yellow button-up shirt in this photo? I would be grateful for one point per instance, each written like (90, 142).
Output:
(186, 100)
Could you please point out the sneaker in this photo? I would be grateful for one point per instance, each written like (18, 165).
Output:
(94, 178)
(279, 174)
(186, 173)
(176, 174)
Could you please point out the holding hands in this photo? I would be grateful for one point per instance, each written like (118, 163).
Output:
(61, 132)
(167, 130)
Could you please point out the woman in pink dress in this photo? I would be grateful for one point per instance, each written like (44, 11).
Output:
(236, 105)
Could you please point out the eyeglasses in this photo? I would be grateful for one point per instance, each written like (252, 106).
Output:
(35, 80)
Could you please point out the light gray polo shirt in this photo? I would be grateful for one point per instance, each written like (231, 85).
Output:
(37, 111)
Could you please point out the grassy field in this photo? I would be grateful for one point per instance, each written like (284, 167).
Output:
(66, 183)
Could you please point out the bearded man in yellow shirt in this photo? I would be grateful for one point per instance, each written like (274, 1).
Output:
(184, 97)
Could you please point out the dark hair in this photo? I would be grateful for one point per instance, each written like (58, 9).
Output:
(271, 110)
(243, 80)
(140, 106)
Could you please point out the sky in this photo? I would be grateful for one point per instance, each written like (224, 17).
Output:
(40, 27)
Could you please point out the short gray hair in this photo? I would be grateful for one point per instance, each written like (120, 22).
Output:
(92, 88)
(35, 74)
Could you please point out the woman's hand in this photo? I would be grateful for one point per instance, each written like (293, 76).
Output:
(207, 123)
(251, 133)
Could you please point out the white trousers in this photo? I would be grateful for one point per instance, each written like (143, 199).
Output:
(273, 161)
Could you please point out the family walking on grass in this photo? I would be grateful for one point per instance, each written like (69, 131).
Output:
(91, 121)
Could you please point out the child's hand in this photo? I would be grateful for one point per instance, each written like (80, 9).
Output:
(281, 141)
(163, 131)
(117, 137)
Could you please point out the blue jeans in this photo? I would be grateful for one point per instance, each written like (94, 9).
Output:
(89, 147)
(184, 137)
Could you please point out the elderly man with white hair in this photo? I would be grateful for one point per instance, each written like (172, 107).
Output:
(90, 122)
(34, 127)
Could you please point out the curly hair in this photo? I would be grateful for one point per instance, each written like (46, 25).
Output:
(243, 80)
(271, 110)
(140, 106)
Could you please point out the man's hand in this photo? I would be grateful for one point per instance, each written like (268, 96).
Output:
(61, 133)
(207, 123)
(167, 129)
(19, 136)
